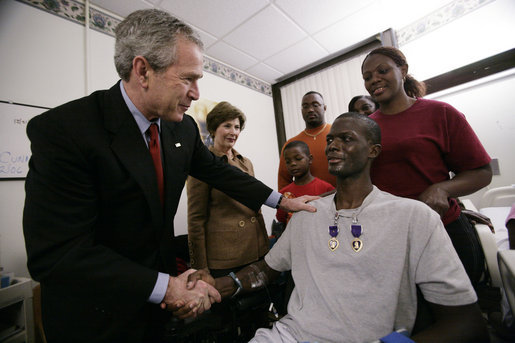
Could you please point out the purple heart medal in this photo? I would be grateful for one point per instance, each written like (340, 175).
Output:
(333, 241)
(356, 230)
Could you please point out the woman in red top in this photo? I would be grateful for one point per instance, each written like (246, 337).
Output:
(423, 142)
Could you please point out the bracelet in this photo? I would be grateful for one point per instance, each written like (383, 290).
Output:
(279, 202)
(237, 282)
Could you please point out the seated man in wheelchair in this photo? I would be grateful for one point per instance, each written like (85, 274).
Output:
(358, 261)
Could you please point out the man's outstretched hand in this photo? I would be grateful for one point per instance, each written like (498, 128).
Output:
(298, 204)
(189, 299)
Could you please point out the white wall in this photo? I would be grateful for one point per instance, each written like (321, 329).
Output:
(44, 63)
(479, 34)
(488, 108)
(487, 102)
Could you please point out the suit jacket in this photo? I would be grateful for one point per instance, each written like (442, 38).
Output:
(222, 232)
(96, 233)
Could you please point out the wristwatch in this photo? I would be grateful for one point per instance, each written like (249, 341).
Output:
(279, 202)
(237, 282)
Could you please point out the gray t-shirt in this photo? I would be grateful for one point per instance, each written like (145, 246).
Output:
(343, 295)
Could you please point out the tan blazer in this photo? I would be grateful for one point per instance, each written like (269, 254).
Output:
(222, 232)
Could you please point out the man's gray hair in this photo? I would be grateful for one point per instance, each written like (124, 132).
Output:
(152, 34)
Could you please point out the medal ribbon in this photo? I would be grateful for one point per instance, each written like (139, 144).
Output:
(333, 230)
(356, 230)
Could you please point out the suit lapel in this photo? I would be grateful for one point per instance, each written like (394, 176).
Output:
(171, 143)
(128, 145)
(173, 187)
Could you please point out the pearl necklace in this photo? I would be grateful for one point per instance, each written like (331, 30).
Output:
(316, 134)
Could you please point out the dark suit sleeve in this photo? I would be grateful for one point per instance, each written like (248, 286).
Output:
(61, 224)
(228, 179)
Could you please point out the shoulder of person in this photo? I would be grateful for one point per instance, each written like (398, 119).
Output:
(436, 104)
(406, 204)
(70, 114)
(511, 214)
(320, 203)
(325, 183)
(187, 120)
(415, 216)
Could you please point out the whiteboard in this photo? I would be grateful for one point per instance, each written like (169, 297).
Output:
(14, 144)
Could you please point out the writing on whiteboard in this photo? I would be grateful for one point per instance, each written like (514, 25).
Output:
(20, 121)
(13, 164)
(14, 143)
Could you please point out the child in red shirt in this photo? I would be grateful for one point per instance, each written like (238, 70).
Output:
(298, 160)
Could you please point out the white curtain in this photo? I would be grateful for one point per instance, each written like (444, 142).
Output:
(337, 84)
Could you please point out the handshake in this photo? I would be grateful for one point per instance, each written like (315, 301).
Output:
(193, 292)
(190, 294)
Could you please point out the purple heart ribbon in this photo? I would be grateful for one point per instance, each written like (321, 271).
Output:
(333, 230)
(356, 230)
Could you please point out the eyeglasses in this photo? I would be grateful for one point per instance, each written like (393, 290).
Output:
(314, 104)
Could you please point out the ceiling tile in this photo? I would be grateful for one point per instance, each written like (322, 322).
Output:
(270, 38)
(206, 38)
(297, 56)
(380, 15)
(122, 7)
(401, 13)
(264, 72)
(352, 29)
(224, 52)
(265, 34)
(313, 16)
(217, 17)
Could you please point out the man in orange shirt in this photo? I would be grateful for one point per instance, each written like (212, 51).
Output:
(313, 113)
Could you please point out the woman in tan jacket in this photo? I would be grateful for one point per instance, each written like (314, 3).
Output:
(223, 234)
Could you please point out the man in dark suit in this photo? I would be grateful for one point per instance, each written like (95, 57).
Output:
(98, 217)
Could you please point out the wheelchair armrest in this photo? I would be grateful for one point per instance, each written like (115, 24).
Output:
(506, 259)
(248, 301)
(489, 246)
(468, 204)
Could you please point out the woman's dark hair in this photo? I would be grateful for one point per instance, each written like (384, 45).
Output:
(221, 113)
(412, 86)
(357, 97)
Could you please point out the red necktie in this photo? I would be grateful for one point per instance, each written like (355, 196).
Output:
(155, 152)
